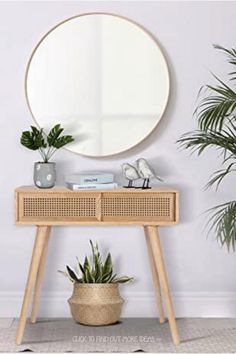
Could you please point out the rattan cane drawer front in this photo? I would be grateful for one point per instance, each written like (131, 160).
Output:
(139, 207)
(61, 206)
(58, 207)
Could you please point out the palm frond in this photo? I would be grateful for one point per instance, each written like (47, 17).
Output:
(219, 175)
(223, 223)
(216, 108)
(221, 101)
(199, 140)
(231, 54)
(216, 116)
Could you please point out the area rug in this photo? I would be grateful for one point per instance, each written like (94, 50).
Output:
(129, 335)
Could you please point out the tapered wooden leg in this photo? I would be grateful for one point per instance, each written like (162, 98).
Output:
(39, 278)
(159, 261)
(155, 277)
(39, 243)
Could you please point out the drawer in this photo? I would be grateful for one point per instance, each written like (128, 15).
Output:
(62, 206)
(67, 207)
(139, 206)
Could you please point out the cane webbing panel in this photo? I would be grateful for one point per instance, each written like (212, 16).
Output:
(132, 207)
(57, 207)
(95, 206)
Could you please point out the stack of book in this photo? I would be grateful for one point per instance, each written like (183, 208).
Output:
(91, 180)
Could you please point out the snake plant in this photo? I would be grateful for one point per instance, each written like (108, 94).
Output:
(47, 145)
(216, 115)
(95, 272)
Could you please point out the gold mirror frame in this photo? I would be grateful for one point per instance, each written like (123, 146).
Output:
(121, 17)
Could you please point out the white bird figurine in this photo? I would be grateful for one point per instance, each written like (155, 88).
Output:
(130, 173)
(146, 172)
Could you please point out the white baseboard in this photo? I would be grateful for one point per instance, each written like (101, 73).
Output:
(140, 304)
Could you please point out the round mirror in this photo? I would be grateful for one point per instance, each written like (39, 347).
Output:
(103, 77)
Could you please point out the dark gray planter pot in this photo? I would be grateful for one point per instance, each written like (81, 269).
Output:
(44, 174)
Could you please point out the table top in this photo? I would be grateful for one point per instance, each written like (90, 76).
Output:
(62, 189)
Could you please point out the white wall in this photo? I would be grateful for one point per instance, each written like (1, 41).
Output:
(201, 275)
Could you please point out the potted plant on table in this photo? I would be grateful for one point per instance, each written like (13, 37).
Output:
(47, 145)
(95, 300)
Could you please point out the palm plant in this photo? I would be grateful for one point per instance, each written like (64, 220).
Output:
(96, 272)
(216, 116)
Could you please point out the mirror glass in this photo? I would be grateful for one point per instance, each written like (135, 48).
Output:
(103, 77)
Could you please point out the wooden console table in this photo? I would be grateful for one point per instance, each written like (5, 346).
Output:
(61, 206)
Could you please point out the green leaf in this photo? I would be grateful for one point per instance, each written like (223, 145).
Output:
(81, 269)
(95, 252)
(97, 269)
(89, 277)
(198, 141)
(112, 278)
(214, 109)
(218, 176)
(64, 273)
(72, 274)
(54, 139)
(54, 133)
(84, 269)
(107, 276)
(223, 223)
(123, 279)
(231, 54)
(86, 264)
(98, 272)
(107, 265)
(64, 140)
(33, 139)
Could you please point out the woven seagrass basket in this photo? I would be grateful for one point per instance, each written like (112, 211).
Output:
(96, 304)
